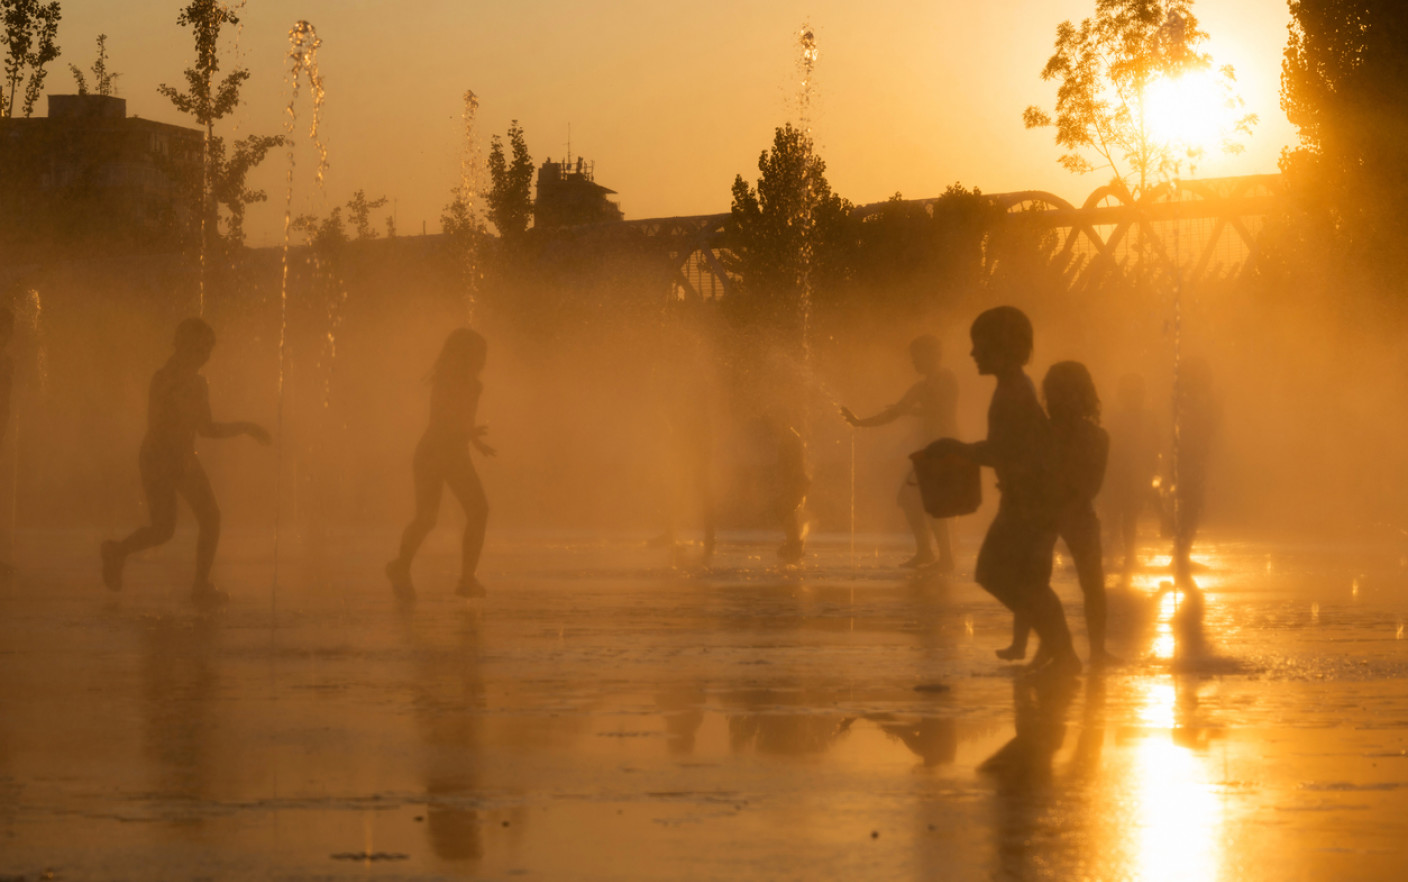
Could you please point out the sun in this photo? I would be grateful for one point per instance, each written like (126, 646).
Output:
(1190, 111)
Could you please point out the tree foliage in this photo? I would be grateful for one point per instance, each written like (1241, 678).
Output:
(205, 99)
(1344, 84)
(227, 179)
(360, 209)
(30, 30)
(511, 184)
(1104, 67)
(788, 234)
(104, 81)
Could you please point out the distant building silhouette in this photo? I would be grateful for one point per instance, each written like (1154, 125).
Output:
(569, 196)
(89, 178)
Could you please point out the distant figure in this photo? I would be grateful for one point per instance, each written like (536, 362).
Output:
(1080, 450)
(1134, 463)
(178, 410)
(1197, 421)
(442, 460)
(1014, 563)
(7, 384)
(787, 482)
(933, 400)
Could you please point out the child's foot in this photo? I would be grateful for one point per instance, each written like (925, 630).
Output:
(400, 576)
(945, 565)
(1099, 660)
(207, 596)
(112, 565)
(469, 587)
(920, 561)
(1012, 653)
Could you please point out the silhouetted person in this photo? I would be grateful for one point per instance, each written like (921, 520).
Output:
(7, 385)
(933, 400)
(1198, 417)
(178, 410)
(1080, 450)
(442, 460)
(1134, 462)
(787, 483)
(1014, 563)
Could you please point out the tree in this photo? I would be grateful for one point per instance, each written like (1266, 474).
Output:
(30, 30)
(105, 82)
(227, 179)
(209, 99)
(790, 233)
(1344, 84)
(511, 184)
(360, 208)
(1104, 69)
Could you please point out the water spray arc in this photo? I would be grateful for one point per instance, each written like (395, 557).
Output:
(468, 197)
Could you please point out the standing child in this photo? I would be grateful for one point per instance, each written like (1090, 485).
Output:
(1080, 450)
(442, 460)
(933, 401)
(1014, 563)
(178, 410)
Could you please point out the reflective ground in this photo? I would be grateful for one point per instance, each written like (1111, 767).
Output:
(605, 716)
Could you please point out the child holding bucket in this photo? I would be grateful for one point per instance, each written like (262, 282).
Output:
(1080, 451)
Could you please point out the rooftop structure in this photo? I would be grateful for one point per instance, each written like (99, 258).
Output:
(90, 178)
(569, 196)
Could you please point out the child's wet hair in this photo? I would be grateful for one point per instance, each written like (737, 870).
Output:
(1070, 392)
(926, 346)
(464, 351)
(193, 335)
(1009, 328)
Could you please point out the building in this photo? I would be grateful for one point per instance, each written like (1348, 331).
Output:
(87, 178)
(569, 196)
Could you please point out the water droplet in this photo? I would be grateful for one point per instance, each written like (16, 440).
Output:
(1354, 588)
(968, 625)
(1315, 613)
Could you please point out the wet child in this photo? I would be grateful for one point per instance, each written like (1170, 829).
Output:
(1014, 563)
(1080, 449)
(178, 410)
(933, 401)
(442, 460)
(1134, 463)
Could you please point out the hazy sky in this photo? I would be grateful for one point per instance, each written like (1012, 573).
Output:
(671, 100)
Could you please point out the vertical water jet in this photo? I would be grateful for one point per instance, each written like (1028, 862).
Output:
(302, 61)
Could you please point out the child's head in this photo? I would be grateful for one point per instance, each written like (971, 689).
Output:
(463, 354)
(1070, 393)
(927, 353)
(1002, 339)
(194, 341)
(1131, 395)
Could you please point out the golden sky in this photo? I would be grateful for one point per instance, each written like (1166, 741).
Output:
(671, 100)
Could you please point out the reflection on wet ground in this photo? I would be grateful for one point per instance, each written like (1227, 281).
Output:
(600, 716)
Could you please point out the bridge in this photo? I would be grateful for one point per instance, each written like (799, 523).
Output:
(1206, 229)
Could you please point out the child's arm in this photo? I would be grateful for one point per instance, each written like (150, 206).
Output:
(206, 427)
(905, 406)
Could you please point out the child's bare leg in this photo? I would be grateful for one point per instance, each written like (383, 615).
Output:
(1021, 625)
(912, 504)
(464, 483)
(945, 543)
(428, 485)
(159, 483)
(195, 488)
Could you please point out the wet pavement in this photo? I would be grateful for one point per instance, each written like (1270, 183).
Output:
(602, 715)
